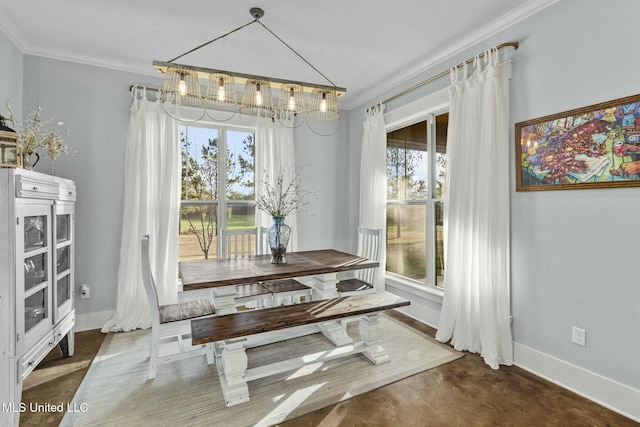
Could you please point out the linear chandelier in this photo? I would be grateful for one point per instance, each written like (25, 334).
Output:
(182, 88)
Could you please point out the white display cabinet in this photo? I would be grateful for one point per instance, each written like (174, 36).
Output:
(36, 277)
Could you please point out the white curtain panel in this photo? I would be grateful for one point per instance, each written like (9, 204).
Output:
(275, 154)
(151, 206)
(475, 311)
(373, 182)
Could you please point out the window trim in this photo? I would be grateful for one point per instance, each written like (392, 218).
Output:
(417, 110)
(422, 109)
(235, 124)
(426, 291)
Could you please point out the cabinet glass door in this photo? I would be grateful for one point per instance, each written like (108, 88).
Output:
(35, 309)
(63, 228)
(63, 291)
(34, 274)
(35, 232)
(35, 270)
(63, 259)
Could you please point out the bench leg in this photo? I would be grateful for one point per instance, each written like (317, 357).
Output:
(336, 333)
(231, 360)
(211, 357)
(370, 333)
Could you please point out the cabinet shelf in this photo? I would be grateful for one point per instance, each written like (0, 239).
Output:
(36, 289)
(63, 273)
(36, 251)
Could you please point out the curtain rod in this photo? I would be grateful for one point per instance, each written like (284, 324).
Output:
(442, 74)
(150, 89)
(406, 91)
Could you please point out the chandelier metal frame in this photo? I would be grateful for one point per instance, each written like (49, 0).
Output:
(182, 88)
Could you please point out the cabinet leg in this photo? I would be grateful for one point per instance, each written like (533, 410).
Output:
(67, 344)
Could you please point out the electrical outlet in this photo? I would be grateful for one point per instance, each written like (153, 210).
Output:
(84, 291)
(579, 337)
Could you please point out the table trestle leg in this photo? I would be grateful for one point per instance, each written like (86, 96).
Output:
(324, 286)
(336, 333)
(224, 299)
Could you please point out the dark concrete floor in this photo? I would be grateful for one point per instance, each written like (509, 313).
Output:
(465, 392)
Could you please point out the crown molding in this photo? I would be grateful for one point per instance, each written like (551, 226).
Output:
(17, 38)
(495, 27)
(350, 100)
(13, 33)
(136, 68)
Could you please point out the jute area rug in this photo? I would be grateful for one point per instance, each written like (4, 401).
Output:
(116, 391)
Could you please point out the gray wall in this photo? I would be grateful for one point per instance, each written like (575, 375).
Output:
(571, 251)
(325, 164)
(10, 77)
(570, 257)
(94, 105)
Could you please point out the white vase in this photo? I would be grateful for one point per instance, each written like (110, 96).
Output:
(28, 162)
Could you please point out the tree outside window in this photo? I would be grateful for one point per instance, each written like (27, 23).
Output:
(205, 177)
(416, 165)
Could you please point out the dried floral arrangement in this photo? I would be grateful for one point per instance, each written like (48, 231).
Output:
(283, 197)
(36, 132)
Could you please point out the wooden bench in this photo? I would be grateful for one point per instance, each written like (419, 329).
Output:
(229, 333)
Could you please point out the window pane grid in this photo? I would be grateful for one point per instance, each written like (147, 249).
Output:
(416, 167)
(215, 161)
(406, 244)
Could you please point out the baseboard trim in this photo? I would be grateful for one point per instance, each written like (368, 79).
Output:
(94, 320)
(604, 391)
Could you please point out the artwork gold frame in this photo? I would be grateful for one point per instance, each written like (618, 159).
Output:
(597, 146)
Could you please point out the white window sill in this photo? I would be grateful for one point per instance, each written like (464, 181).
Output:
(428, 292)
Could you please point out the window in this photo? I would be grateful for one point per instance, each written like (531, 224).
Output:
(416, 165)
(217, 190)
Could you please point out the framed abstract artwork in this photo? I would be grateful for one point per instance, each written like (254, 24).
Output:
(591, 147)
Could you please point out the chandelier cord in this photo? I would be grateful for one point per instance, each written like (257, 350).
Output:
(324, 134)
(178, 118)
(183, 88)
(221, 37)
(266, 28)
(294, 51)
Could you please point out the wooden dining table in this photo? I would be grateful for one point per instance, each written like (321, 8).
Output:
(320, 267)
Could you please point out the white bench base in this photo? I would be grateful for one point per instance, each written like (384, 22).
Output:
(232, 360)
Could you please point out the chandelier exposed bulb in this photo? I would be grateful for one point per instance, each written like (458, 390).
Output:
(258, 95)
(292, 100)
(182, 86)
(221, 91)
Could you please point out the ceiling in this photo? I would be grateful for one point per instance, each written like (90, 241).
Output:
(367, 46)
